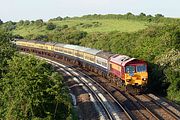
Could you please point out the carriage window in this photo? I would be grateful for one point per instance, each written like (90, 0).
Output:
(141, 68)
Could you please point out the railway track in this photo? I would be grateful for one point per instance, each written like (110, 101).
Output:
(134, 106)
(142, 111)
(131, 107)
(125, 113)
(124, 101)
(141, 108)
(173, 108)
(157, 109)
(112, 113)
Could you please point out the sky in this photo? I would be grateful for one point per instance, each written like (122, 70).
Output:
(16, 10)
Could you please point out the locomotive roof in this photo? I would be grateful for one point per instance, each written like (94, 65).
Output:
(121, 59)
(104, 54)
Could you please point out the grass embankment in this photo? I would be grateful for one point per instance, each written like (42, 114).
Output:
(89, 26)
(107, 25)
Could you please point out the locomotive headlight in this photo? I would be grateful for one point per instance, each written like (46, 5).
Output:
(128, 80)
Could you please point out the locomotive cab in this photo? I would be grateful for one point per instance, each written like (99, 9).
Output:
(136, 74)
(130, 71)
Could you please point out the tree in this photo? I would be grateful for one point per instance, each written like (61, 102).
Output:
(41, 37)
(31, 89)
(64, 26)
(50, 26)
(65, 18)
(27, 22)
(59, 18)
(1, 22)
(21, 22)
(159, 15)
(129, 15)
(18, 36)
(9, 26)
(32, 22)
(142, 15)
(39, 22)
(7, 50)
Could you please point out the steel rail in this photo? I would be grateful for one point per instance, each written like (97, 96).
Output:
(166, 110)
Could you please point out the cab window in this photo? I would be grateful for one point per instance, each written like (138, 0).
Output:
(141, 68)
(130, 69)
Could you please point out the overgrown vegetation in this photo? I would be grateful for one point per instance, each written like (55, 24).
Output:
(159, 45)
(30, 88)
(154, 39)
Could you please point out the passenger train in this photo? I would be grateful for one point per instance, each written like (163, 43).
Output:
(120, 69)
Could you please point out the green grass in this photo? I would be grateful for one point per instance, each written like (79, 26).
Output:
(29, 29)
(107, 25)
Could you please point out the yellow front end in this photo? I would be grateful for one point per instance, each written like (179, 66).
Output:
(138, 79)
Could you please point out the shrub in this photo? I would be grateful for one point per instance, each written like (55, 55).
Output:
(50, 26)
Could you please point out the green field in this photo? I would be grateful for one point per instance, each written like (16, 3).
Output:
(104, 25)
(29, 30)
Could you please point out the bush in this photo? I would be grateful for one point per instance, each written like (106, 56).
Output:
(39, 22)
(32, 90)
(41, 37)
(1, 22)
(50, 26)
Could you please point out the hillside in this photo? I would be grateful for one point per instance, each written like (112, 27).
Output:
(104, 25)
(88, 26)
(154, 39)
